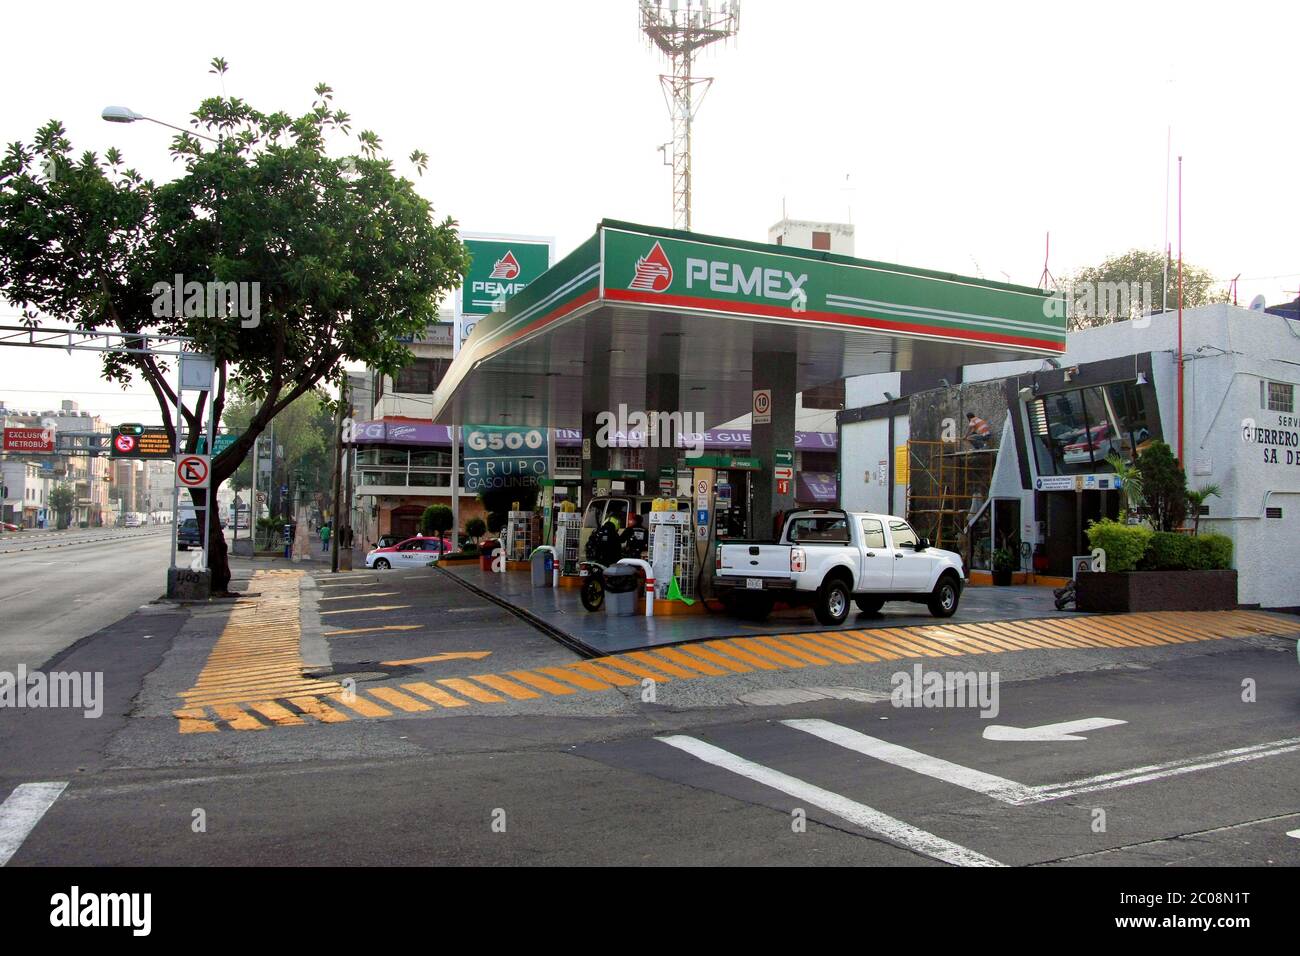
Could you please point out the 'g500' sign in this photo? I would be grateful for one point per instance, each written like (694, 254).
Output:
(503, 457)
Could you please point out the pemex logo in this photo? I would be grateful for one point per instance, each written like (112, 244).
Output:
(654, 273)
(507, 267)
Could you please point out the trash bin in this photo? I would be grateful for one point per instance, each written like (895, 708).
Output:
(543, 563)
(622, 581)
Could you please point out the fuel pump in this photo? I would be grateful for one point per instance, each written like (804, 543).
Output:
(704, 491)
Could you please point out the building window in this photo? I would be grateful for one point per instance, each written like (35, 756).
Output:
(822, 241)
(829, 396)
(421, 377)
(1277, 397)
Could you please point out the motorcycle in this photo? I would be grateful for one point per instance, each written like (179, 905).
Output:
(593, 584)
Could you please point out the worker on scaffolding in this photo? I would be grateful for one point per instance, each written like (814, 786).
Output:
(978, 431)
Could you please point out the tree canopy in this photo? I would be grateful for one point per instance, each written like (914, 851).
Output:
(338, 254)
(1145, 270)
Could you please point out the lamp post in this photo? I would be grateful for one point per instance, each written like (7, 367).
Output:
(124, 114)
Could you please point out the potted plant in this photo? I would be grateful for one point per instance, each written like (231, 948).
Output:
(1004, 565)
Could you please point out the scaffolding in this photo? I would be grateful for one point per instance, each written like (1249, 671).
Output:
(947, 487)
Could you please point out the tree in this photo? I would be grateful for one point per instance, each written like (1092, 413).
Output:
(1140, 269)
(475, 528)
(1196, 499)
(293, 260)
(436, 520)
(305, 430)
(61, 499)
(1164, 485)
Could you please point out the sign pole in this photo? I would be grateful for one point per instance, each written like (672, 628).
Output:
(455, 481)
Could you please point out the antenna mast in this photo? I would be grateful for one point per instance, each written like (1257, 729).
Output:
(678, 30)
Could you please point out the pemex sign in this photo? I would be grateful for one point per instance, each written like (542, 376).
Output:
(500, 268)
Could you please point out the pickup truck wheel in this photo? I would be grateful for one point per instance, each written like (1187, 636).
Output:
(869, 605)
(943, 601)
(832, 605)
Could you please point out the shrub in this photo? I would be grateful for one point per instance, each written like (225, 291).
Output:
(1124, 544)
(496, 520)
(1210, 552)
(1164, 486)
(436, 520)
(1168, 552)
(475, 528)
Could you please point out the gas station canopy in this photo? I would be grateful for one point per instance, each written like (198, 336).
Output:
(631, 296)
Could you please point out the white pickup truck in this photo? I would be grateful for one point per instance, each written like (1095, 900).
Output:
(828, 558)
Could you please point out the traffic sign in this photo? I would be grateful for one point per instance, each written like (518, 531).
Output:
(124, 444)
(219, 444)
(194, 471)
(140, 441)
(762, 406)
(783, 473)
(783, 456)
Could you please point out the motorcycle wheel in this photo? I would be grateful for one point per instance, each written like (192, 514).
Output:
(593, 593)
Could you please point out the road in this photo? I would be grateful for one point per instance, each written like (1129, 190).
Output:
(59, 587)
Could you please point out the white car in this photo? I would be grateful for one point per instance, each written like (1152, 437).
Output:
(417, 552)
(828, 558)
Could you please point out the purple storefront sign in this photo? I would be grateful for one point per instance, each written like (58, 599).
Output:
(816, 487)
(427, 433)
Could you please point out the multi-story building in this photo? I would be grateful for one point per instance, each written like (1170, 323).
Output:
(88, 476)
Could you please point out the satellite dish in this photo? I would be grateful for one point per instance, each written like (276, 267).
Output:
(1257, 303)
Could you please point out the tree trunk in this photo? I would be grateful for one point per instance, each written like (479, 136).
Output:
(218, 554)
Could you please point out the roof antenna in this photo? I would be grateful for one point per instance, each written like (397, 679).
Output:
(1047, 277)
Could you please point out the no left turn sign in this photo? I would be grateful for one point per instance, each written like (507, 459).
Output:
(193, 471)
(124, 443)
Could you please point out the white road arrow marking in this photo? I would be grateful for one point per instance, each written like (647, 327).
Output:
(1067, 730)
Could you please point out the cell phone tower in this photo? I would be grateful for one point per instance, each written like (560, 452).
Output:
(679, 29)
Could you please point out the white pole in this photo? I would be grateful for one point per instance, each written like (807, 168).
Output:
(455, 481)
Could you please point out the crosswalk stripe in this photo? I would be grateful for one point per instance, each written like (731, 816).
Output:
(507, 687)
(542, 683)
(361, 705)
(427, 691)
(722, 648)
(686, 660)
(472, 691)
(856, 813)
(237, 718)
(315, 707)
(575, 677)
(399, 700)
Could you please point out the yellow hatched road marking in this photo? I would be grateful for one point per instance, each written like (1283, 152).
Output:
(276, 714)
(603, 673)
(751, 645)
(664, 665)
(542, 683)
(704, 653)
(777, 641)
(799, 640)
(194, 721)
(632, 668)
(435, 694)
(364, 707)
(574, 677)
(237, 718)
(471, 690)
(838, 642)
(507, 687)
(399, 700)
(314, 707)
(686, 660)
(722, 648)
(1064, 634)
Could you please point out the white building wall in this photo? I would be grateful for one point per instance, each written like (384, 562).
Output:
(865, 446)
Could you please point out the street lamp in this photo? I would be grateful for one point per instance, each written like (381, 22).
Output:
(124, 114)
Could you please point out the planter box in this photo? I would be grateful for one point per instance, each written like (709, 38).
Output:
(1157, 591)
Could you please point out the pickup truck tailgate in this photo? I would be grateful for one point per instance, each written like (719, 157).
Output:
(754, 560)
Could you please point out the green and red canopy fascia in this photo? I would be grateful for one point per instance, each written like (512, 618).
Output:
(662, 269)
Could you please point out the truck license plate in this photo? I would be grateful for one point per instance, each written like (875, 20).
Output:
(754, 584)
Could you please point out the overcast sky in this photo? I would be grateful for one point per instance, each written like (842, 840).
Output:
(953, 135)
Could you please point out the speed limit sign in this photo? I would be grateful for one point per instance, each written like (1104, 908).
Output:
(762, 406)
